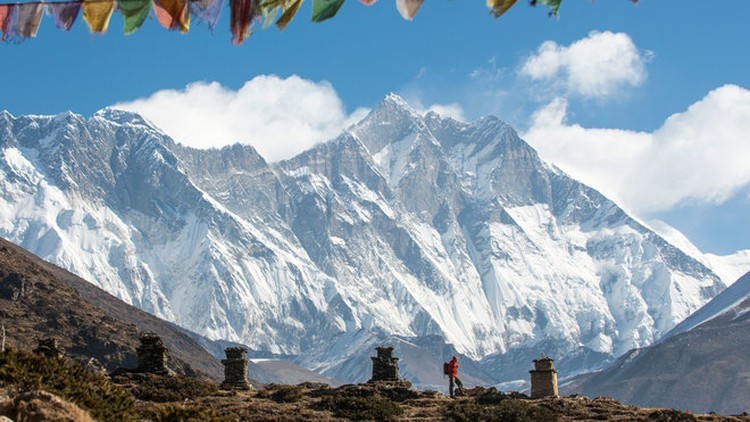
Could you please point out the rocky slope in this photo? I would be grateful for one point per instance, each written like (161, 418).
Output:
(39, 300)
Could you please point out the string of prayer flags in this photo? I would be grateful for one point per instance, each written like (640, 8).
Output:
(19, 21)
(28, 18)
(498, 7)
(134, 13)
(325, 9)
(408, 8)
(64, 14)
(242, 13)
(288, 14)
(173, 14)
(7, 16)
(207, 11)
(554, 5)
(97, 14)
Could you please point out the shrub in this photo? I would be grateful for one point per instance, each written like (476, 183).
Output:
(510, 410)
(161, 389)
(180, 413)
(24, 371)
(286, 394)
(361, 408)
(671, 415)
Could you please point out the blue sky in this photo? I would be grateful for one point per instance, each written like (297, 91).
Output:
(607, 122)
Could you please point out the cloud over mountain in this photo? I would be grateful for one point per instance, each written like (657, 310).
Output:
(280, 117)
(696, 155)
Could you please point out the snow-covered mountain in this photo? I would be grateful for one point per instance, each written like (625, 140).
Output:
(728, 267)
(731, 304)
(404, 227)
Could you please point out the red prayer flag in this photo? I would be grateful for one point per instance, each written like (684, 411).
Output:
(173, 14)
(242, 14)
(7, 13)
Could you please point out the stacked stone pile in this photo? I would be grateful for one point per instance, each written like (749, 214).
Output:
(152, 355)
(235, 369)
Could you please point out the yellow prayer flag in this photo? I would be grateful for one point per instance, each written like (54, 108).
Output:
(97, 14)
(498, 7)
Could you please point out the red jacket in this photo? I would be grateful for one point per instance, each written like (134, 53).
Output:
(453, 368)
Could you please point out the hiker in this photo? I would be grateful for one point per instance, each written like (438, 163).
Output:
(453, 377)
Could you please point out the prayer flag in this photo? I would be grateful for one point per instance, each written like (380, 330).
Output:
(242, 14)
(7, 15)
(173, 14)
(325, 9)
(270, 9)
(288, 14)
(408, 8)
(134, 13)
(65, 14)
(207, 10)
(28, 18)
(554, 5)
(498, 7)
(368, 2)
(97, 14)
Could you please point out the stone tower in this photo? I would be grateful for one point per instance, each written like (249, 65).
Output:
(235, 369)
(49, 347)
(384, 365)
(543, 378)
(152, 355)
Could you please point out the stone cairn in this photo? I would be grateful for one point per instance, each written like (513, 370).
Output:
(235, 369)
(385, 366)
(152, 355)
(543, 378)
(49, 347)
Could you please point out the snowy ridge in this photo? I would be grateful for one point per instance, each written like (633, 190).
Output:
(406, 228)
(727, 301)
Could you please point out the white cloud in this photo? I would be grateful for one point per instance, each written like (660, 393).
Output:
(597, 66)
(453, 110)
(279, 117)
(698, 155)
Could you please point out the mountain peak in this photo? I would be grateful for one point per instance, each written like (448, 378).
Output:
(394, 103)
(394, 98)
(123, 117)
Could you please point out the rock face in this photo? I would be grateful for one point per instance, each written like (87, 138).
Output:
(235, 369)
(405, 227)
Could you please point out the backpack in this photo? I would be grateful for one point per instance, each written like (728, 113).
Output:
(446, 368)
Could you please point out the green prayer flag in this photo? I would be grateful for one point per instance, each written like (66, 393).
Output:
(325, 9)
(552, 4)
(134, 13)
